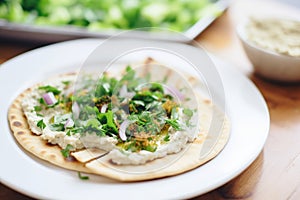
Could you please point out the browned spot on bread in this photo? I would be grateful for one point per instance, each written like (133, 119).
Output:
(28, 90)
(43, 152)
(71, 159)
(71, 73)
(12, 117)
(50, 145)
(148, 60)
(17, 124)
(198, 140)
(13, 106)
(20, 132)
(52, 156)
(169, 72)
(192, 79)
(207, 101)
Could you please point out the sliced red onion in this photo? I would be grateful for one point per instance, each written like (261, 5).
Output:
(174, 92)
(103, 108)
(130, 95)
(123, 128)
(124, 92)
(49, 98)
(75, 110)
(69, 123)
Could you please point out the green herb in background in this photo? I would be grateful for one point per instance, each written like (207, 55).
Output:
(108, 14)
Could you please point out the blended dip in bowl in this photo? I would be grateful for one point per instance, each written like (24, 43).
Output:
(278, 35)
(273, 47)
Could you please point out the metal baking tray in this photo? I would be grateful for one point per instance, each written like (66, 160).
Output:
(51, 34)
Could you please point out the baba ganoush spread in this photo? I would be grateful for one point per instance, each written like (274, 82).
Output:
(278, 35)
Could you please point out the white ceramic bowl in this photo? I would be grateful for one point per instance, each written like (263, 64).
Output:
(270, 64)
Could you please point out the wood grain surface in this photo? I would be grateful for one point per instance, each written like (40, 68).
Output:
(275, 174)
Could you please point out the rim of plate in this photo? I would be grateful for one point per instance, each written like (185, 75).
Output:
(185, 180)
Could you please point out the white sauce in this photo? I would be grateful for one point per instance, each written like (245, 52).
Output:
(178, 140)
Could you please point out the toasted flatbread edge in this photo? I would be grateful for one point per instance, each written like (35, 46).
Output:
(52, 153)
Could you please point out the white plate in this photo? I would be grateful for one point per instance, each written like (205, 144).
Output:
(245, 107)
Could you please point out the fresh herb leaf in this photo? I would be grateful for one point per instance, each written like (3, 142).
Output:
(61, 118)
(42, 101)
(165, 79)
(94, 123)
(150, 148)
(66, 83)
(57, 127)
(49, 88)
(145, 96)
(66, 151)
(83, 177)
(174, 123)
(77, 130)
(108, 119)
(37, 108)
(41, 124)
(58, 122)
(188, 112)
(68, 133)
(129, 75)
(167, 138)
(156, 87)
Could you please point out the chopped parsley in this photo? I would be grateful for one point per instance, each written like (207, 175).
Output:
(37, 108)
(58, 122)
(108, 119)
(68, 133)
(174, 123)
(49, 88)
(66, 83)
(82, 177)
(42, 101)
(66, 151)
(188, 112)
(167, 138)
(41, 124)
(105, 104)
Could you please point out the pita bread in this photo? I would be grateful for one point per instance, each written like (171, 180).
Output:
(208, 144)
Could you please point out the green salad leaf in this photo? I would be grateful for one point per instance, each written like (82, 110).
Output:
(176, 15)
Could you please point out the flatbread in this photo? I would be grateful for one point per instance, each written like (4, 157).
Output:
(193, 156)
(33, 143)
(209, 143)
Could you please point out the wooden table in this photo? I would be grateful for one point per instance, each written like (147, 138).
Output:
(275, 174)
